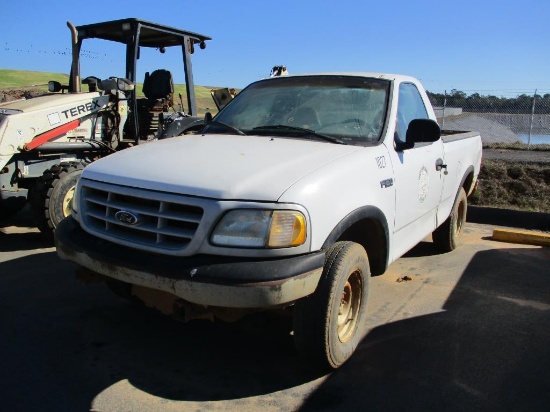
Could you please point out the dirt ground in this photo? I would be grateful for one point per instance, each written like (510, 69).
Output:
(465, 330)
(10, 94)
(514, 179)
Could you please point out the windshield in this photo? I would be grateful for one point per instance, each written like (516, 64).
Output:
(342, 109)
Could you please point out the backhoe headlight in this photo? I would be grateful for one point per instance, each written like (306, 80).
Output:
(260, 229)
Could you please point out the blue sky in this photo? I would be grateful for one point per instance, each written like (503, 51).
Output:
(486, 46)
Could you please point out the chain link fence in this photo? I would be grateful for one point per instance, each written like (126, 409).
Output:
(522, 121)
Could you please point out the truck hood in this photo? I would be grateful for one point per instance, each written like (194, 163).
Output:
(228, 167)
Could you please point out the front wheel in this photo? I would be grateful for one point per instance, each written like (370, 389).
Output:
(446, 236)
(329, 324)
(54, 195)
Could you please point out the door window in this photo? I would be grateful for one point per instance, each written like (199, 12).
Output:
(409, 107)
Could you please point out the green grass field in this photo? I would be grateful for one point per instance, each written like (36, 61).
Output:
(21, 79)
(26, 79)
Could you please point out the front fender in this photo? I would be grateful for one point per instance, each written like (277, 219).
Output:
(367, 226)
(351, 199)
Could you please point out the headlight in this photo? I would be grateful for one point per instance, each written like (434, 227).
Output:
(260, 228)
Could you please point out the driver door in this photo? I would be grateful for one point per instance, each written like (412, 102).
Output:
(418, 182)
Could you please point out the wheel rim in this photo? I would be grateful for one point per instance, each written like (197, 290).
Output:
(68, 202)
(350, 301)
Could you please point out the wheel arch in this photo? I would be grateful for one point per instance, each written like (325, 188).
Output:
(467, 181)
(368, 227)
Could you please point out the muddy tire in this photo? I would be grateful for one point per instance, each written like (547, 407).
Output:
(329, 324)
(446, 236)
(53, 195)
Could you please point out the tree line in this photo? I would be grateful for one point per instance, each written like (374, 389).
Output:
(522, 104)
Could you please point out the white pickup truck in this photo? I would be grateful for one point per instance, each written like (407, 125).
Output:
(293, 196)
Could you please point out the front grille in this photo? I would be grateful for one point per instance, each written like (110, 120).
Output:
(161, 224)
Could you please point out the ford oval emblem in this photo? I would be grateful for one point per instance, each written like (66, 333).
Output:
(126, 217)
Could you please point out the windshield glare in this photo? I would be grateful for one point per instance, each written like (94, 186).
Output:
(347, 107)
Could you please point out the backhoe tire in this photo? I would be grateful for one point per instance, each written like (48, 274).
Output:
(446, 236)
(330, 323)
(53, 195)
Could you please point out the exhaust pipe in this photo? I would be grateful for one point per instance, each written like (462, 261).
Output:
(75, 72)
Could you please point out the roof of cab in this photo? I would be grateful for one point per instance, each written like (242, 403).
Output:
(376, 75)
(151, 34)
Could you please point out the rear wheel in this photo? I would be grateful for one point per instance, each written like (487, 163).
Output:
(54, 193)
(329, 324)
(446, 236)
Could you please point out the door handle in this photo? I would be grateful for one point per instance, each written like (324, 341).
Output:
(440, 165)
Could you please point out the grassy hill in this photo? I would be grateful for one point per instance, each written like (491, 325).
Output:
(24, 81)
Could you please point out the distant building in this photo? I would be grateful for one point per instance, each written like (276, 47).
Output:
(449, 111)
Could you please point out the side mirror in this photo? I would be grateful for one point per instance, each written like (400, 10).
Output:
(423, 131)
(207, 118)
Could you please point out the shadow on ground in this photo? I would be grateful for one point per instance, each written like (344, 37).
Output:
(19, 232)
(488, 350)
(64, 343)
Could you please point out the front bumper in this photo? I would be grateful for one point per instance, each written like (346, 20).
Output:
(204, 280)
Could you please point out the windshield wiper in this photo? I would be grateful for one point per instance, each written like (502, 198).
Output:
(302, 130)
(226, 126)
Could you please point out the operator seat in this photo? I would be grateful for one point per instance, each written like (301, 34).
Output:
(158, 88)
